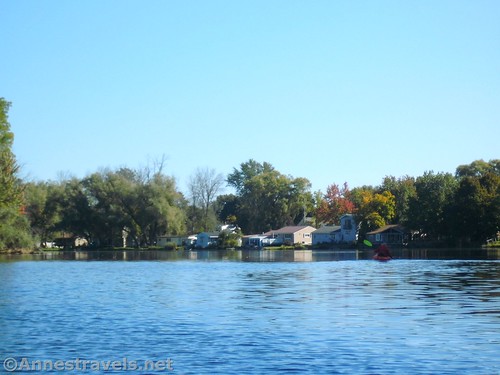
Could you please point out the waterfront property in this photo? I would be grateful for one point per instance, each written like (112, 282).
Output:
(345, 233)
(395, 235)
(167, 240)
(291, 235)
(206, 239)
(257, 241)
(326, 235)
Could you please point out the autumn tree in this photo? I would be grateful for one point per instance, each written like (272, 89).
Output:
(335, 203)
(373, 209)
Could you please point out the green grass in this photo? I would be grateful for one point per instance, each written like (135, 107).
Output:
(493, 244)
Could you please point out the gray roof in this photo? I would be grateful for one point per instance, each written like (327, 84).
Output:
(289, 229)
(327, 229)
(385, 228)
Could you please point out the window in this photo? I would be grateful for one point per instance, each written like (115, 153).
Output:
(347, 224)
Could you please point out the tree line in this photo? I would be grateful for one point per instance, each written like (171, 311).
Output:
(144, 203)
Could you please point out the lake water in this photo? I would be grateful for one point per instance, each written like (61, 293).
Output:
(214, 313)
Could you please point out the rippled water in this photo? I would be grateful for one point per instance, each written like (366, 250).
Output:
(221, 317)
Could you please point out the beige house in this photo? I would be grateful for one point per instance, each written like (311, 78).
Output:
(292, 235)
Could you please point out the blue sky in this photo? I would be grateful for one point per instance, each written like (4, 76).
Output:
(334, 91)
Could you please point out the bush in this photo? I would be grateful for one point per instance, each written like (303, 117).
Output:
(170, 246)
(14, 230)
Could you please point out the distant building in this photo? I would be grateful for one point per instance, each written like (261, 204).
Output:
(206, 239)
(394, 234)
(186, 241)
(327, 234)
(345, 233)
(292, 235)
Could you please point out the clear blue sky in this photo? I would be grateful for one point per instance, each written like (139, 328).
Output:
(334, 91)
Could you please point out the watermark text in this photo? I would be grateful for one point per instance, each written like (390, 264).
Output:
(12, 364)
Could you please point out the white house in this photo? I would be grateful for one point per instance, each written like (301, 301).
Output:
(349, 228)
(206, 239)
(257, 241)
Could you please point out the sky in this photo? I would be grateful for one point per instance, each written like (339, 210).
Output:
(333, 91)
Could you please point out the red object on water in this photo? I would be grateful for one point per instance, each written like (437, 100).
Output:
(382, 253)
(381, 258)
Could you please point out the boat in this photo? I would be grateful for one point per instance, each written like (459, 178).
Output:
(381, 258)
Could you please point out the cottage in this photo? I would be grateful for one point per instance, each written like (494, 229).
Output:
(325, 235)
(292, 235)
(394, 234)
(207, 239)
(166, 240)
(345, 233)
(257, 241)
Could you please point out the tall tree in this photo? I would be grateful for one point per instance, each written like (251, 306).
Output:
(144, 203)
(268, 199)
(478, 168)
(473, 216)
(204, 186)
(10, 188)
(43, 208)
(227, 208)
(426, 209)
(247, 171)
(373, 209)
(14, 231)
(403, 190)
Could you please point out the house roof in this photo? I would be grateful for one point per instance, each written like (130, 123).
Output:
(209, 234)
(289, 229)
(255, 236)
(327, 229)
(385, 228)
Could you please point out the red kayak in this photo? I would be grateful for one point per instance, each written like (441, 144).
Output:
(381, 258)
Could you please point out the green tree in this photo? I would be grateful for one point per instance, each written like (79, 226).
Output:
(227, 208)
(478, 168)
(14, 229)
(228, 239)
(144, 203)
(403, 190)
(426, 212)
(43, 209)
(77, 216)
(268, 199)
(474, 213)
(10, 188)
(239, 177)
